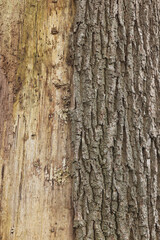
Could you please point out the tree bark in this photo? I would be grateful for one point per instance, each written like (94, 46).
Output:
(35, 153)
(115, 120)
(89, 100)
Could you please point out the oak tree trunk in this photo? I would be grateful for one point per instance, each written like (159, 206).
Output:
(115, 120)
(79, 85)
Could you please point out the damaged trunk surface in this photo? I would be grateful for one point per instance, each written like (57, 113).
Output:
(97, 89)
(115, 121)
(35, 156)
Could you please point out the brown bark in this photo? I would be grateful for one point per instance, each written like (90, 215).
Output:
(114, 50)
(115, 121)
(35, 156)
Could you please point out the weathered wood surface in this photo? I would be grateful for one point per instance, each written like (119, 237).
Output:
(114, 51)
(35, 156)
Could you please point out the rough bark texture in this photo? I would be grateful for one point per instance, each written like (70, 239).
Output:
(115, 53)
(35, 156)
(115, 120)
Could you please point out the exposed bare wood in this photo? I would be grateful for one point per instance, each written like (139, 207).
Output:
(35, 156)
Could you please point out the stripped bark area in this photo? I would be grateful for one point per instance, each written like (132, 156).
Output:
(35, 153)
(115, 120)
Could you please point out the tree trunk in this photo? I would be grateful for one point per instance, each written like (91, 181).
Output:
(115, 121)
(35, 153)
(97, 89)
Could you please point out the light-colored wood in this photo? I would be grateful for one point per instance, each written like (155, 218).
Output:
(35, 154)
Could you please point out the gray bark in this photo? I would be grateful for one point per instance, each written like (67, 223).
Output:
(115, 120)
